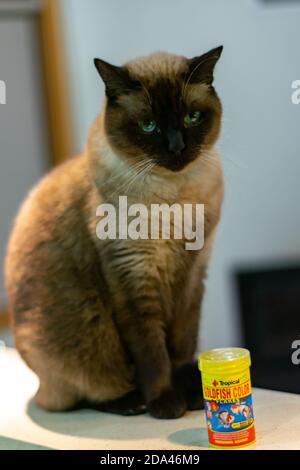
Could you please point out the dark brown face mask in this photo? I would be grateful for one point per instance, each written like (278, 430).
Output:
(158, 120)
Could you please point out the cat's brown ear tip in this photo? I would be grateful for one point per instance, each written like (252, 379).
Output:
(96, 62)
(101, 67)
(219, 49)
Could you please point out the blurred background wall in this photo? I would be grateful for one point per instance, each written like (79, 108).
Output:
(260, 143)
(24, 143)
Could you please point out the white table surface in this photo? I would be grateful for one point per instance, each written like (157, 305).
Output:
(24, 426)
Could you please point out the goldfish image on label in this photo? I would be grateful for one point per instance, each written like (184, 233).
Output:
(240, 408)
(227, 397)
(225, 418)
(214, 406)
(211, 406)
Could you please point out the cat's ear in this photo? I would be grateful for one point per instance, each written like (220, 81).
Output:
(116, 79)
(201, 68)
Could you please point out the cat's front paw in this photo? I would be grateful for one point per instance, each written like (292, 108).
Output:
(187, 380)
(131, 404)
(169, 405)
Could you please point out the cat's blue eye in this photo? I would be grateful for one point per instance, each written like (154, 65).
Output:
(193, 119)
(148, 126)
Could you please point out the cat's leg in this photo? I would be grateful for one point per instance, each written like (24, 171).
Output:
(73, 346)
(141, 313)
(186, 374)
(54, 394)
(185, 329)
(182, 345)
(144, 335)
(130, 404)
(187, 378)
(146, 338)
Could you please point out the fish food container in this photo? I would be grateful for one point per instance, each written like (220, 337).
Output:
(227, 397)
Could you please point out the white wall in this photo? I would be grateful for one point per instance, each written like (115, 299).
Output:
(260, 142)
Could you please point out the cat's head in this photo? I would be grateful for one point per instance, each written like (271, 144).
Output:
(162, 108)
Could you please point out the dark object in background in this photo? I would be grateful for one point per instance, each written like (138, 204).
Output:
(270, 315)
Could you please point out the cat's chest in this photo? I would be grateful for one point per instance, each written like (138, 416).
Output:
(163, 263)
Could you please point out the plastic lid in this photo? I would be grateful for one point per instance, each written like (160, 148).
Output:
(223, 360)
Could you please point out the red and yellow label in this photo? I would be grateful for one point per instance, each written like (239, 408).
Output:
(232, 440)
(229, 409)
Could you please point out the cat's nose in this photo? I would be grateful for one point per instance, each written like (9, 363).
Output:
(175, 141)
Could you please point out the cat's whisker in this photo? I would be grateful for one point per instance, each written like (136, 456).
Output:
(229, 159)
(132, 180)
(148, 171)
(237, 164)
(211, 158)
(224, 157)
(144, 174)
(118, 175)
(208, 164)
(130, 173)
(128, 184)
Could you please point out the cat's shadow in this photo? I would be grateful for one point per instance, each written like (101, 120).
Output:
(100, 426)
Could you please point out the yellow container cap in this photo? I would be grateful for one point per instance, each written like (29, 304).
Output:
(224, 360)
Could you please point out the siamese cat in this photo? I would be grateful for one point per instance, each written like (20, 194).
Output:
(113, 323)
